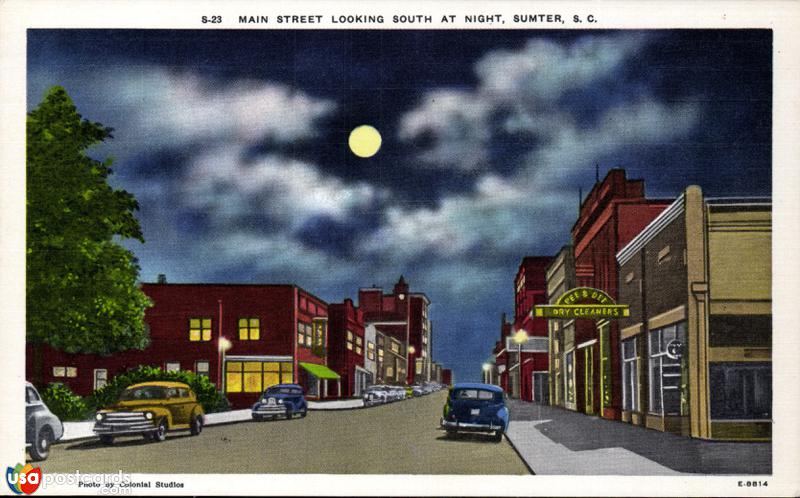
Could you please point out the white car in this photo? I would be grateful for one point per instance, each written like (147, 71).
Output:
(375, 395)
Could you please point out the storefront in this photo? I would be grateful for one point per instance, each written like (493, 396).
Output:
(316, 379)
(246, 377)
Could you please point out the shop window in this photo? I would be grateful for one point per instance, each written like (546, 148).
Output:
(272, 374)
(569, 361)
(630, 376)
(199, 329)
(287, 376)
(202, 367)
(251, 379)
(233, 376)
(741, 391)
(249, 329)
(668, 393)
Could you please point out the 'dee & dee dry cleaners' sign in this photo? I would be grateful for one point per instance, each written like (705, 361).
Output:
(582, 302)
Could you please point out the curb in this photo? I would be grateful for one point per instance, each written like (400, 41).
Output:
(516, 450)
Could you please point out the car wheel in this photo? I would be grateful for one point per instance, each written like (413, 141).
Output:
(160, 433)
(289, 413)
(197, 425)
(498, 436)
(41, 447)
(304, 412)
(257, 417)
(107, 440)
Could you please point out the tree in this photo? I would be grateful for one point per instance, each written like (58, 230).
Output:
(82, 293)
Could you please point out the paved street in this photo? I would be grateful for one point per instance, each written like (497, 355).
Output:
(558, 441)
(398, 438)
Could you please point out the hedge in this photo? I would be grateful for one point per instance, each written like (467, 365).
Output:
(65, 404)
(207, 394)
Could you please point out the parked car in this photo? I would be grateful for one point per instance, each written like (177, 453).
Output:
(42, 428)
(151, 409)
(416, 390)
(399, 393)
(280, 400)
(475, 407)
(375, 395)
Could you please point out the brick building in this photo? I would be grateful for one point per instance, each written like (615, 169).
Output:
(612, 214)
(403, 331)
(347, 347)
(696, 348)
(243, 337)
(561, 278)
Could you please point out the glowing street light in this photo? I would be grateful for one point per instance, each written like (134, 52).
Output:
(486, 368)
(223, 345)
(520, 337)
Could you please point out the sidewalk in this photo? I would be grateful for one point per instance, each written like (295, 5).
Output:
(83, 430)
(557, 441)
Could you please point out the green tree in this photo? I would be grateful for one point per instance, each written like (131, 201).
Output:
(82, 293)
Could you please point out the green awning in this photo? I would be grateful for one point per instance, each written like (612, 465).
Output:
(319, 371)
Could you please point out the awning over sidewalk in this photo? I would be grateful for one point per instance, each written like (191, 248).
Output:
(319, 371)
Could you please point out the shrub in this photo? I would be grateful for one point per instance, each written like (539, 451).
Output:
(207, 394)
(65, 404)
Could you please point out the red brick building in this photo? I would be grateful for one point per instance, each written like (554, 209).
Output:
(347, 347)
(529, 373)
(612, 214)
(501, 355)
(403, 316)
(243, 337)
(447, 377)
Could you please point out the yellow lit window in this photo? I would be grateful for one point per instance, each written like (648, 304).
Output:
(199, 329)
(252, 376)
(249, 329)
(272, 374)
(286, 372)
(350, 340)
(370, 350)
(358, 350)
(233, 377)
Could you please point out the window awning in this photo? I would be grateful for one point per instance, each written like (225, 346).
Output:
(319, 371)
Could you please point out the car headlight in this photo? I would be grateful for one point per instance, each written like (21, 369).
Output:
(148, 416)
(99, 417)
(264, 401)
(280, 401)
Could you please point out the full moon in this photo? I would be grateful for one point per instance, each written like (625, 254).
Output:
(365, 141)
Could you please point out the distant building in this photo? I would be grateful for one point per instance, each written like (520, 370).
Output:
(447, 377)
(402, 318)
(528, 369)
(696, 348)
(348, 347)
(275, 333)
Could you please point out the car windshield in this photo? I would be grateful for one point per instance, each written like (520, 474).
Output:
(148, 392)
(472, 394)
(282, 390)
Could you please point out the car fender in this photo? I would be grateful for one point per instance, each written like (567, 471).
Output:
(503, 414)
(159, 413)
(197, 411)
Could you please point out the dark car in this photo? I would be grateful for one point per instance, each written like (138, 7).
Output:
(474, 407)
(280, 400)
(42, 428)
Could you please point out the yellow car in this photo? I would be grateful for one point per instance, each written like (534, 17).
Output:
(150, 409)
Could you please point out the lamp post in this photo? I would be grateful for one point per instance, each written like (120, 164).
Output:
(520, 337)
(486, 368)
(222, 346)
(411, 351)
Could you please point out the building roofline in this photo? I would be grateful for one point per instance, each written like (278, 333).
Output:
(210, 284)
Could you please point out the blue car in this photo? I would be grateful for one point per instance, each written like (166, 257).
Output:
(475, 407)
(280, 400)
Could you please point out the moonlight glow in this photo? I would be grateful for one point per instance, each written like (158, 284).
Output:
(365, 141)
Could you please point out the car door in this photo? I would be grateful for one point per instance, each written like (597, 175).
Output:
(174, 405)
(33, 405)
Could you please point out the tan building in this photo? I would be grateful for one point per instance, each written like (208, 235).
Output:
(696, 348)
(560, 277)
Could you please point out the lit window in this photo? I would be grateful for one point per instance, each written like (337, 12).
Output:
(350, 340)
(100, 378)
(252, 377)
(202, 367)
(359, 341)
(301, 335)
(199, 329)
(59, 371)
(370, 350)
(249, 329)
(359, 351)
(286, 373)
(173, 366)
(272, 374)
(319, 332)
(233, 377)
(72, 372)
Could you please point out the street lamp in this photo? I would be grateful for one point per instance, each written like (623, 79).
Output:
(223, 345)
(486, 368)
(520, 337)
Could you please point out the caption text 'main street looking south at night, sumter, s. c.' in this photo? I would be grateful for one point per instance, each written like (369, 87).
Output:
(399, 19)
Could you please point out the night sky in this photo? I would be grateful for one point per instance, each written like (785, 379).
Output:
(235, 145)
